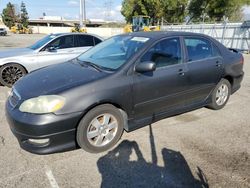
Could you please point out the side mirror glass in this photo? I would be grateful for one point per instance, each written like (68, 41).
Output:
(51, 49)
(147, 66)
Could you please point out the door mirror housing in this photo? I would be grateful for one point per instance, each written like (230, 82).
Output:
(147, 66)
(51, 49)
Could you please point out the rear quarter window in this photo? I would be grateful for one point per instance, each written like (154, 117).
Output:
(85, 40)
(97, 41)
(216, 51)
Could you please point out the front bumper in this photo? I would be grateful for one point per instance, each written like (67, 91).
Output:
(60, 130)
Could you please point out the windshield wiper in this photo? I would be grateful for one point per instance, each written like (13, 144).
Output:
(88, 63)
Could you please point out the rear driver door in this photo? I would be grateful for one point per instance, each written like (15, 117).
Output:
(205, 68)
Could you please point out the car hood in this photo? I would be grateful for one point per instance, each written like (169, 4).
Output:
(15, 52)
(55, 79)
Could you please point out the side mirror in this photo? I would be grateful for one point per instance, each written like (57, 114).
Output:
(51, 49)
(147, 66)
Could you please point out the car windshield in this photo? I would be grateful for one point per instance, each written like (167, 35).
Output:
(114, 52)
(42, 42)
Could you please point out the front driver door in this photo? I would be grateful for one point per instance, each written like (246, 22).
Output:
(59, 50)
(164, 89)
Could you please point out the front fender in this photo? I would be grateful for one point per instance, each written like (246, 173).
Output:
(114, 91)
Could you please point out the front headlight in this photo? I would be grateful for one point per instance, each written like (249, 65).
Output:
(43, 104)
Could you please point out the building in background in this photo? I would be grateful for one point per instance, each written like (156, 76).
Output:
(59, 21)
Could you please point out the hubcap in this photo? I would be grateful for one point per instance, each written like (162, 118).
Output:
(222, 94)
(102, 130)
(11, 74)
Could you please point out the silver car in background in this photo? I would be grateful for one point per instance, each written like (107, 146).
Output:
(3, 32)
(52, 49)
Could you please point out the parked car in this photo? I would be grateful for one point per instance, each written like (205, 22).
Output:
(3, 32)
(124, 83)
(52, 49)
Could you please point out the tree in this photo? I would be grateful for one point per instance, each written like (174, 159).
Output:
(170, 10)
(24, 18)
(132, 8)
(174, 11)
(216, 10)
(197, 8)
(9, 16)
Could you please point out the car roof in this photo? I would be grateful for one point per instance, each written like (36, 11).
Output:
(162, 34)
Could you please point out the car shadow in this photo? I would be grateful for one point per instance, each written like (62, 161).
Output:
(118, 170)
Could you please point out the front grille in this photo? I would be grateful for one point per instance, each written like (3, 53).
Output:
(14, 98)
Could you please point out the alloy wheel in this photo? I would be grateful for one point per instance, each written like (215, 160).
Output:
(102, 130)
(222, 94)
(10, 74)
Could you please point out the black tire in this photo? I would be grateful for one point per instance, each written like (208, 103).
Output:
(10, 73)
(86, 123)
(214, 105)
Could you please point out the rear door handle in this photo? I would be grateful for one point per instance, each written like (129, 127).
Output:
(181, 72)
(218, 64)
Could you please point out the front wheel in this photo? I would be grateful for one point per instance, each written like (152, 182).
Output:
(100, 129)
(10, 73)
(220, 95)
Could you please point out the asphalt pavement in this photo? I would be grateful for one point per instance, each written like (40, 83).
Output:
(202, 148)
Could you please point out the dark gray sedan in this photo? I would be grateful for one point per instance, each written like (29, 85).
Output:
(124, 83)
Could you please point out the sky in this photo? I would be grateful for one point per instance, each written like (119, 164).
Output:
(69, 9)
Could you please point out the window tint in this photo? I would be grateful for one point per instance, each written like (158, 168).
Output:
(216, 51)
(166, 52)
(85, 40)
(198, 48)
(62, 42)
(97, 41)
(114, 52)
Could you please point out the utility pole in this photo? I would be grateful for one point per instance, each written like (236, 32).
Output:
(82, 13)
(84, 8)
(108, 6)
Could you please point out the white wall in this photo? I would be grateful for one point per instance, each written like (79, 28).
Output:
(103, 32)
(2, 26)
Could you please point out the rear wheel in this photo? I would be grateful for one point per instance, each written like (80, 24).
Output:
(10, 73)
(100, 129)
(220, 95)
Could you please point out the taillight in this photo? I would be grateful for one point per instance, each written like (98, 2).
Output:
(242, 59)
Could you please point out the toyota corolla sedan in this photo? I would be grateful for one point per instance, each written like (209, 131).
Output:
(124, 83)
(52, 49)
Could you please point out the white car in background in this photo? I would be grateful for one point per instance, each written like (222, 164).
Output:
(52, 49)
(3, 32)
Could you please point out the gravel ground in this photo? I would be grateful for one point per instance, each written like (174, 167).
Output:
(203, 148)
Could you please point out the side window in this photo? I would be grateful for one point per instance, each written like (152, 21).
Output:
(97, 41)
(216, 51)
(85, 40)
(164, 53)
(198, 48)
(62, 42)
